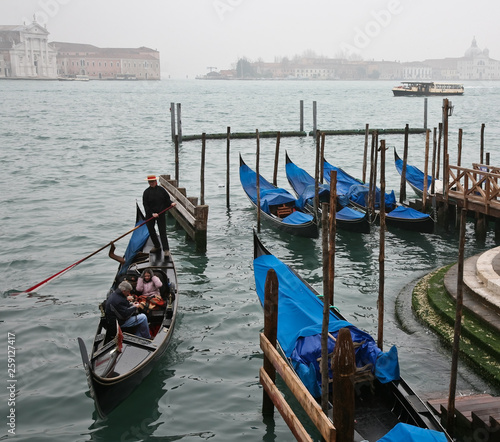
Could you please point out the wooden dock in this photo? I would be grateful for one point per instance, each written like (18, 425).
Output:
(477, 416)
(189, 215)
(476, 188)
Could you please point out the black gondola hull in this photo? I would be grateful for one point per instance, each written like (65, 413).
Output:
(424, 225)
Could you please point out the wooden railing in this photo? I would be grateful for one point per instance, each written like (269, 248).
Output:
(479, 185)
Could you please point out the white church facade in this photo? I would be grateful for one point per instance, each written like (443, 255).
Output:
(26, 53)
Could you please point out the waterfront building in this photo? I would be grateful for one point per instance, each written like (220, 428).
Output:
(26, 53)
(107, 63)
(476, 64)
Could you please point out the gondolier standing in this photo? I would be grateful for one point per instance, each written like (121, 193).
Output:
(156, 199)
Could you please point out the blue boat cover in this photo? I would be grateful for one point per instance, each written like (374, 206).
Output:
(304, 186)
(406, 213)
(269, 194)
(136, 243)
(410, 433)
(357, 194)
(348, 214)
(413, 175)
(300, 316)
(298, 218)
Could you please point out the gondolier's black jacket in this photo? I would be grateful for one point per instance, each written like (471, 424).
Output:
(118, 307)
(155, 199)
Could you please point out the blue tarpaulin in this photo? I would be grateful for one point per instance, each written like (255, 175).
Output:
(304, 186)
(406, 213)
(269, 194)
(348, 214)
(136, 243)
(413, 175)
(345, 183)
(409, 433)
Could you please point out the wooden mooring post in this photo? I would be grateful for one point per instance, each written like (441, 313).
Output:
(381, 257)
(228, 165)
(450, 424)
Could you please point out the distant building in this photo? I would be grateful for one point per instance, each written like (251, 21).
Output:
(477, 64)
(474, 65)
(26, 53)
(107, 63)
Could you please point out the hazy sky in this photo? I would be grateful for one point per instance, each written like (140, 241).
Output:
(192, 35)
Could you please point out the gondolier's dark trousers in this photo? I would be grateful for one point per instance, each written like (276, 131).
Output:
(162, 227)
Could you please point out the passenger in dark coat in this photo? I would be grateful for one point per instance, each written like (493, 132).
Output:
(156, 199)
(127, 313)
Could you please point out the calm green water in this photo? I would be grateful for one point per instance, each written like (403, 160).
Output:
(73, 161)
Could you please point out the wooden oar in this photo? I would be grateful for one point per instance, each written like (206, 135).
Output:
(50, 278)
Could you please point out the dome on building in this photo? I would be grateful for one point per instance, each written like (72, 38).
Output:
(486, 52)
(473, 51)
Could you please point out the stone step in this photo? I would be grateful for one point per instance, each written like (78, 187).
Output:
(477, 297)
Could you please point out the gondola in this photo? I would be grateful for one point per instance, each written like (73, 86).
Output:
(278, 206)
(385, 404)
(406, 218)
(119, 360)
(354, 190)
(349, 218)
(415, 177)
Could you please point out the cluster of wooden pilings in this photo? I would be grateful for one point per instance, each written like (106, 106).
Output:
(476, 188)
(178, 135)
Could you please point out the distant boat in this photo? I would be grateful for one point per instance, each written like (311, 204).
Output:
(126, 77)
(74, 78)
(426, 88)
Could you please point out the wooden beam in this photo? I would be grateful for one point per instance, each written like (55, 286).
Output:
(286, 412)
(308, 403)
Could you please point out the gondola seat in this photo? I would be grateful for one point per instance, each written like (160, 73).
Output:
(284, 210)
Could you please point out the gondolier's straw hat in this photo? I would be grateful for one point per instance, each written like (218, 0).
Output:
(151, 178)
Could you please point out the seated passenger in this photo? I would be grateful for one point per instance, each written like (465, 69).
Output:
(126, 313)
(148, 284)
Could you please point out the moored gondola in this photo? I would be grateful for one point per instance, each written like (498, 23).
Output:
(415, 177)
(406, 218)
(385, 403)
(120, 360)
(278, 206)
(350, 218)
(354, 190)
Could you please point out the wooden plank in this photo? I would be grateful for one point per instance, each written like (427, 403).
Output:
(308, 403)
(286, 412)
(179, 194)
